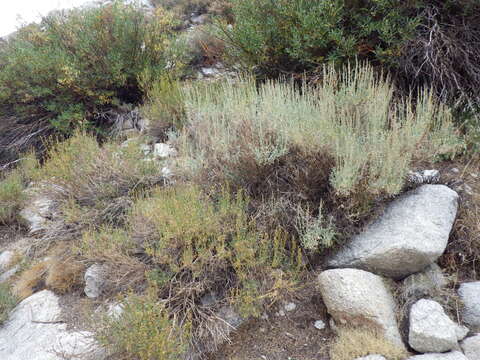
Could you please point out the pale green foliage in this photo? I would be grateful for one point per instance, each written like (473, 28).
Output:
(316, 232)
(351, 116)
(7, 302)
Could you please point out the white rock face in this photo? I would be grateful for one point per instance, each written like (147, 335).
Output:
(357, 297)
(372, 357)
(34, 332)
(410, 235)
(431, 330)
(38, 211)
(471, 347)
(163, 151)
(470, 296)
(94, 281)
(454, 355)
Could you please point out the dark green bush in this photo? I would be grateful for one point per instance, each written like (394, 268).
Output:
(298, 35)
(79, 62)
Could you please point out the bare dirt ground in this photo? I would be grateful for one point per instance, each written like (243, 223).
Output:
(289, 337)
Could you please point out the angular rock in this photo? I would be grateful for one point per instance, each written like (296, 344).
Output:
(461, 332)
(471, 347)
(357, 297)
(410, 235)
(470, 296)
(94, 281)
(35, 331)
(453, 355)
(431, 330)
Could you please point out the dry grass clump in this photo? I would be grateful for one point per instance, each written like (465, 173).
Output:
(59, 272)
(354, 343)
(93, 184)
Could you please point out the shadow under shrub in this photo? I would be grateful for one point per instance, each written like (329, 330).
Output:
(58, 74)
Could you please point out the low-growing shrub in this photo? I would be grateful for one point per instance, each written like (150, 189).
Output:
(345, 138)
(193, 247)
(12, 186)
(93, 184)
(7, 302)
(143, 331)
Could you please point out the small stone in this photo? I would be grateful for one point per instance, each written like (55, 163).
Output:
(94, 281)
(474, 175)
(163, 151)
(281, 313)
(210, 72)
(290, 307)
(455, 170)
(319, 324)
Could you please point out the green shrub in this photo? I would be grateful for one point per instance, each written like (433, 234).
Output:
(191, 246)
(345, 138)
(7, 302)
(164, 106)
(298, 35)
(143, 331)
(81, 62)
(12, 186)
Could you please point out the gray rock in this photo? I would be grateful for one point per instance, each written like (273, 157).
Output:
(200, 19)
(290, 307)
(431, 330)
(371, 357)
(410, 235)
(319, 324)
(461, 332)
(6, 258)
(470, 296)
(94, 281)
(356, 297)
(7, 275)
(453, 355)
(35, 331)
(38, 212)
(163, 151)
(428, 282)
(471, 347)
(210, 72)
